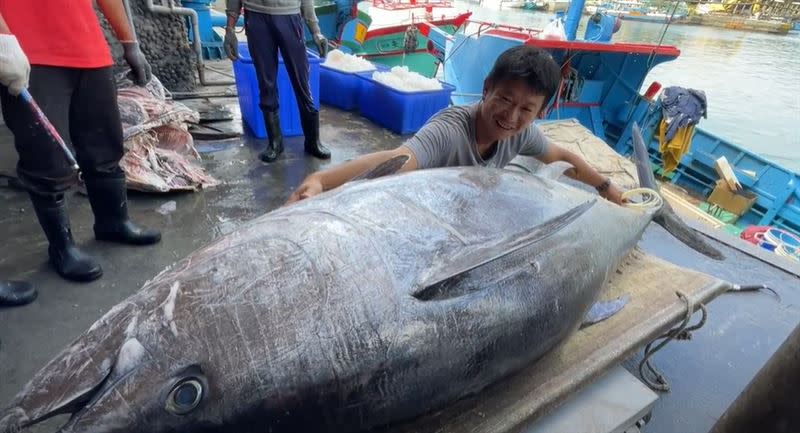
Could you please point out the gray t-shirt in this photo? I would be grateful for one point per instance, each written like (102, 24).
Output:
(273, 7)
(448, 140)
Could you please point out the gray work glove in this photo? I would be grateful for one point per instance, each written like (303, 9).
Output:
(321, 43)
(140, 69)
(319, 40)
(231, 43)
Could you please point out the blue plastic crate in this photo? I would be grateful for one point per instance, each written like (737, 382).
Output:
(400, 112)
(341, 89)
(247, 88)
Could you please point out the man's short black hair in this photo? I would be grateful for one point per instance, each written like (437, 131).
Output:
(534, 66)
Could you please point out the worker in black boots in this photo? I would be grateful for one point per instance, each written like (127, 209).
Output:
(60, 54)
(271, 25)
(14, 293)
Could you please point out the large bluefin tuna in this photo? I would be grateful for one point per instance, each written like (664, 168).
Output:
(367, 305)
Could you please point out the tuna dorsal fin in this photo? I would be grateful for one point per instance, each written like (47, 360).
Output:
(646, 177)
(436, 285)
(385, 168)
(666, 216)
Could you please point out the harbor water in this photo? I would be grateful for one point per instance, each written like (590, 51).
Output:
(751, 80)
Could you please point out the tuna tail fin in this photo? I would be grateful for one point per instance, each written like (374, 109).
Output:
(666, 216)
(385, 168)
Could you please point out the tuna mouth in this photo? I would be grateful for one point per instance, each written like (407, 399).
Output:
(78, 377)
(81, 406)
(17, 419)
(87, 413)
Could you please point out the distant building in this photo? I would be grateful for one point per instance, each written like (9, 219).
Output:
(763, 9)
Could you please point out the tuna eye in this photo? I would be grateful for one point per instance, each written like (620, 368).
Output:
(184, 397)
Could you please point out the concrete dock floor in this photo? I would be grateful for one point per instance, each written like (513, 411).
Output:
(706, 373)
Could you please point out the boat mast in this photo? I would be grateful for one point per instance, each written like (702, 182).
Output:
(573, 18)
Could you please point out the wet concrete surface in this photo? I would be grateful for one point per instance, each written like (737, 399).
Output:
(706, 373)
(743, 330)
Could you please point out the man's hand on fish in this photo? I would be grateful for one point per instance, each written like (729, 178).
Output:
(613, 194)
(336, 176)
(309, 188)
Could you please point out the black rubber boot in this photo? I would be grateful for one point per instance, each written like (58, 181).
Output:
(109, 201)
(68, 260)
(310, 123)
(14, 293)
(275, 145)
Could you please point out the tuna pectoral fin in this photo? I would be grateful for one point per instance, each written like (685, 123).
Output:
(385, 168)
(67, 382)
(439, 283)
(666, 216)
(602, 310)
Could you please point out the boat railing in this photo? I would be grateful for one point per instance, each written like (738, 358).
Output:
(484, 26)
(410, 4)
(458, 19)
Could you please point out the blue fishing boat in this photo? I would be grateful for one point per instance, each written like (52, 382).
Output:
(601, 87)
(634, 10)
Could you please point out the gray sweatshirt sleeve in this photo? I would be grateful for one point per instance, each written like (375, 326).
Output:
(233, 8)
(307, 11)
(534, 142)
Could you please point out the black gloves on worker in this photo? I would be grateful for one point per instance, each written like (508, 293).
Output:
(140, 69)
(231, 43)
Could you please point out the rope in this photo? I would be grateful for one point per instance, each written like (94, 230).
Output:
(650, 60)
(784, 243)
(651, 199)
(754, 288)
(463, 41)
(652, 377)
(788, 252)
(661, 39)
(779, 236)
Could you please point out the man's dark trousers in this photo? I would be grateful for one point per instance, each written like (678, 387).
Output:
(265, 35)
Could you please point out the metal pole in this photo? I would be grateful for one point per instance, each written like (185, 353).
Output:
(573, 18)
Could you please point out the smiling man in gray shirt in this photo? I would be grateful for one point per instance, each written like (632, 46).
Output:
(489, 133)
(449, 139)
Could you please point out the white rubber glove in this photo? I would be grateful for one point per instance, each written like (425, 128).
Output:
(14, 67)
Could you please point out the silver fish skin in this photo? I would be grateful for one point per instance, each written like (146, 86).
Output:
(364, 306)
